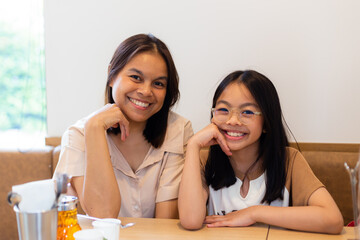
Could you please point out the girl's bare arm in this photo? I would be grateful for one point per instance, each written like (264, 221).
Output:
(321, 215)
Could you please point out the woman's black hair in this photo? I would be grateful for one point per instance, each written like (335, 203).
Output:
(156, 125)
(273, 141)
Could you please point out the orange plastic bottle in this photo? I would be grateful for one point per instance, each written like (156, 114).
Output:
(67, 218)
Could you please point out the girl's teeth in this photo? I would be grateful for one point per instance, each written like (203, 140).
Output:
(235, 134)
(141, 104)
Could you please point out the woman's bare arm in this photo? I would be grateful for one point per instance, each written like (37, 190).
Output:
(167, 209)
(97, 190)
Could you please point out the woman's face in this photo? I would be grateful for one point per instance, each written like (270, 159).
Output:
(140, 87)
(239, 132)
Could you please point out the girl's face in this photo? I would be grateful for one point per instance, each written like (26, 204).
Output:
(239, 131)
(140, 87)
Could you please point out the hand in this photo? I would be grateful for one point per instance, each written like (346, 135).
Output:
(108, 116)
(241, 218)
(208, 136)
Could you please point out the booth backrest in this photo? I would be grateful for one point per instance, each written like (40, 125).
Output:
(327, 162)
(17, 167)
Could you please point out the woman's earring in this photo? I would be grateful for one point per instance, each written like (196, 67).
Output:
(264, 131)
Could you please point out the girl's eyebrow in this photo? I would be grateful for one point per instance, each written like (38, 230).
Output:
(142, 74)
(247, 104)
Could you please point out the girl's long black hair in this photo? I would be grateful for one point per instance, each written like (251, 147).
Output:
(273, 141)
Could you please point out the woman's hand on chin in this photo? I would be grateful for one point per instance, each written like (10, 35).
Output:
(108, 116)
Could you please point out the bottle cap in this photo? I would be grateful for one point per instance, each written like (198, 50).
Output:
(67, 203)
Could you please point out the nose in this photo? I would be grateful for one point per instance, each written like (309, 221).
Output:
(234, 119)
(145, 90)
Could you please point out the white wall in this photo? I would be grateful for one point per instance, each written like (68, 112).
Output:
(309, 49)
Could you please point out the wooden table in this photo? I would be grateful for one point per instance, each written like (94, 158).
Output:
(276, 233)
(169, 229)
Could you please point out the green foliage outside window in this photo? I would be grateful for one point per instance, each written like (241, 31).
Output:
(22, 79)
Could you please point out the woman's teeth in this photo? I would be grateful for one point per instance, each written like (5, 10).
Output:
(138, 103)
(235, 134)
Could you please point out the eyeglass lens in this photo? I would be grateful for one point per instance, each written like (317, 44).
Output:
(222, 115)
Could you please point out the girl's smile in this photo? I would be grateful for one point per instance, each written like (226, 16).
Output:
(233, 135)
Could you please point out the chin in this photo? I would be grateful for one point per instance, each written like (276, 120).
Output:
(139, 120)
(236, 146)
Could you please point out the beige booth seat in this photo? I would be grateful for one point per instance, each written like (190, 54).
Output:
(17, 167)
(327, 162)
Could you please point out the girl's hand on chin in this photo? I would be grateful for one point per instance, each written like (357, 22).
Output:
(241, 218)
(108, 116)
(211, 135)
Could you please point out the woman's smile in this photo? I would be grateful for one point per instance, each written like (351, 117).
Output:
(139, 103)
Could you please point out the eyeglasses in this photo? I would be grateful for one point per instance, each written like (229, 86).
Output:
(222, 114)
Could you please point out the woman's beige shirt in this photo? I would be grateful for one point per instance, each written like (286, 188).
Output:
(156, 180)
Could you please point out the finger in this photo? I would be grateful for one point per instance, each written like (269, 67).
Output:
(212, 142)
(223, 145)
(226, 149)
(218, 224)
(221, 141)
(123, 132)
(214, 218)
(124, 125)
(126, 128)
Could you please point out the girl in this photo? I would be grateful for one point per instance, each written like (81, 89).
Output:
(251, 175)
(126, 158)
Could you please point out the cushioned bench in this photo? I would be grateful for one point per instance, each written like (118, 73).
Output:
(326, 160)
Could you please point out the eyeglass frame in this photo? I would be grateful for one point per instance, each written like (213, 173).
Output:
(240, 116)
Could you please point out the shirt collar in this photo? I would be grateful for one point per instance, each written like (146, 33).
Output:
(173, 143)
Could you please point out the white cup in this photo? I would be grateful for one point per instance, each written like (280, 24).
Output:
(110, 227)
(88, 234)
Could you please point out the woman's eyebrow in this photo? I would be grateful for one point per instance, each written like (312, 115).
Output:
(142, 74)
(136, 70)
(162, 78)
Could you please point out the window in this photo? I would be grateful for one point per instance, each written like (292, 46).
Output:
(22, 73)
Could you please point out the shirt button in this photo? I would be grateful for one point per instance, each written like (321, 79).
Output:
(136, 208)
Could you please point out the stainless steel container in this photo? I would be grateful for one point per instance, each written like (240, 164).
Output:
(37, 225)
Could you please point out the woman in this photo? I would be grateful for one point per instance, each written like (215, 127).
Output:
(126, 158)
